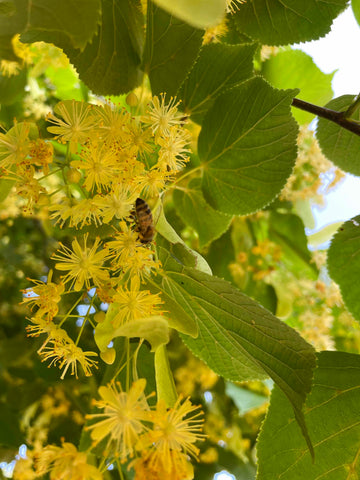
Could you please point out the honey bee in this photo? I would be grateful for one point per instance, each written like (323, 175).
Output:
(144, 220)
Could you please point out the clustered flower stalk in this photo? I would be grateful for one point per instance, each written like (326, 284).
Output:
(109, 158)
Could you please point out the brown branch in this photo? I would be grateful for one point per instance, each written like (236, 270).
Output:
(336, 117)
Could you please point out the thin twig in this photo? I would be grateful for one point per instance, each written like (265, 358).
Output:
(332, 115)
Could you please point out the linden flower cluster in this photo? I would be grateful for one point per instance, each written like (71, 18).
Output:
(311, 164)
(194, 373)
(156, 442)
(161, 439)
(112, 158)
(259, 263)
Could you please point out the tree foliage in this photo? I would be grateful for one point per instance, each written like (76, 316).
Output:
(209, 289)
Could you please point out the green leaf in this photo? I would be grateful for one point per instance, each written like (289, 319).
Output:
(287, 230)
(75, 21)
(218, 68)
(154, 329)
(287, 21)
(248, 147)
(16, 23)
(66, 83)
(165, 385)
(344, 263)
(110, 64)
(198, 13)
(220, 254)
(10, 434)
(166, 230)
(244, 399)
(262, 293)
(170, 49)
(332, 416)
(339, 145)
(193, 209)
(12, 88)
(355, 5)
(10, 24)
(238, 338)
(7, 7)
(6, 49)
(178, 318)
(296, 69)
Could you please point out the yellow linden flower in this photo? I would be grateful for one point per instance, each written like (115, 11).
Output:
(161, 116)
(173, 432)
(100, 166)
(123, 245)
(172, 154)
(112, 122)
(62, 210)
(181, 468)
(41, 153)
(68, 355)
(213, 34)
(76, 125)
(166, 447)
(153, 181)
(27, 186)
(22, 50)
(232, 6)
(122, 420)
(118, 203)
(86, 212)
(65, 462)
(140, 139)
(129, 167)
(14, 145)
(82, 263)
(24, 469)
(39, 326)
(46, 296)
(9, 68)
(140, 264)
(134, 303)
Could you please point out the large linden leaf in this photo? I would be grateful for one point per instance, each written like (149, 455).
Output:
(10, 433)
(198, 13)
(73, 21)
(170, 49)
(281, 22)
(7, 7)
(296, 69)
(110, 64)
(339, 145)
(248, 147)
(344, 263)
(193, 209)
(218, 68)
(332, 417)
(238, 338)
(12, 88)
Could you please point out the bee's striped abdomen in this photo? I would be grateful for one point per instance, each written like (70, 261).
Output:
(144, 221)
